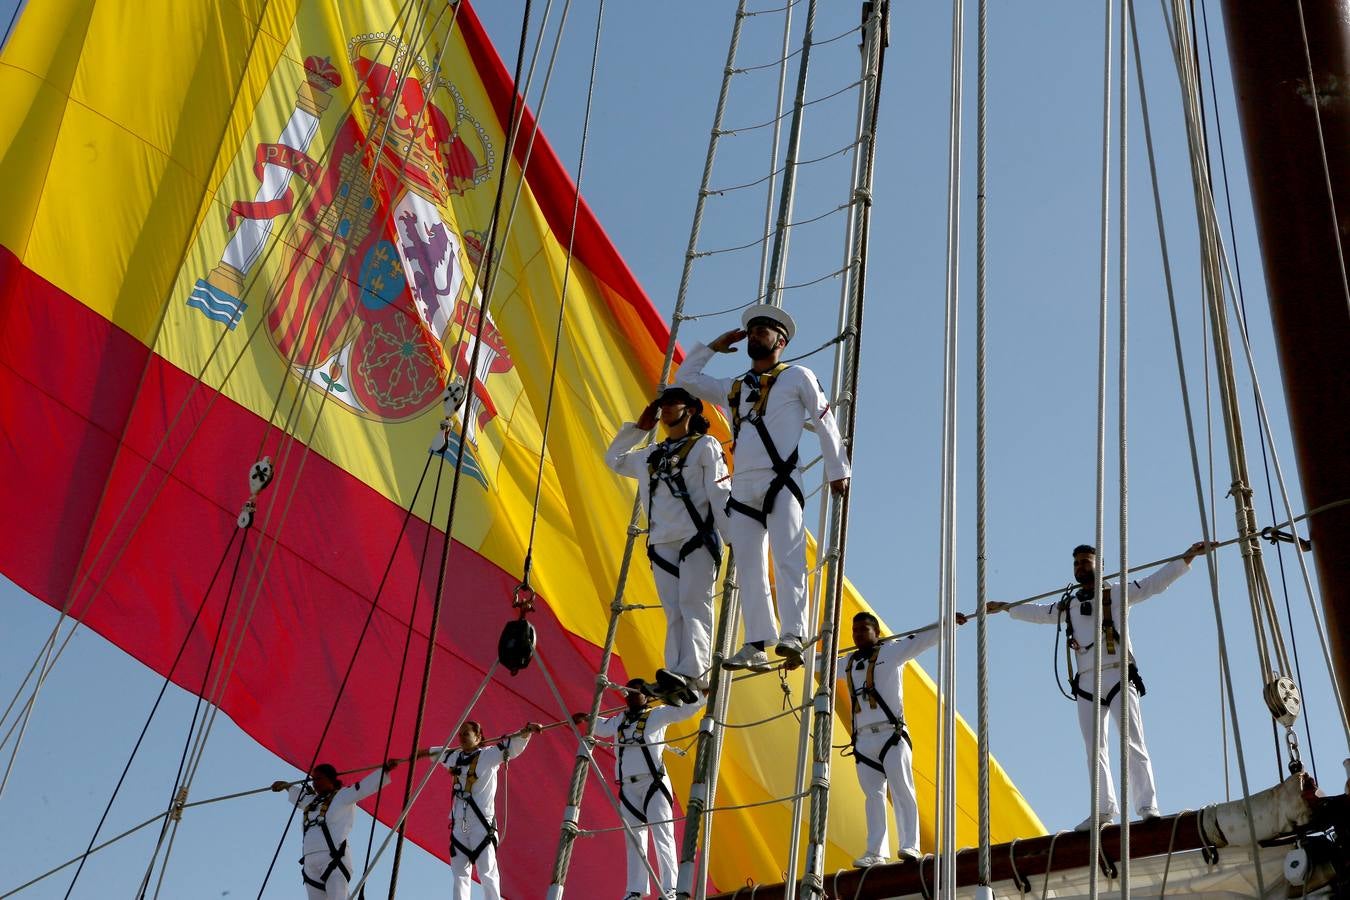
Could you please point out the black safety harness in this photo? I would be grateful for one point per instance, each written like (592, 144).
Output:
(665, 465)
(316, 816)
(868, 692)
(1083, 597)
(637, 738)
(465, 773)
(784, 469)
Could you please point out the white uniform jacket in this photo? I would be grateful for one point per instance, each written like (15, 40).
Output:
(629, 762)
(887, 678)
(1080, 611)
(705, 477)
(484, 789)
(795, 399)
(341, 814)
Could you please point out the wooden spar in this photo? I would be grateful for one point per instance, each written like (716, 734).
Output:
(1303, 261)
(1279, 810)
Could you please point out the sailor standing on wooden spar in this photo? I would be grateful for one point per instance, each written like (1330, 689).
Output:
(473, 810)
(685, 487)
(328, 812)
(769, 405)
(882, 750)
(646, 802)
(1120, 678)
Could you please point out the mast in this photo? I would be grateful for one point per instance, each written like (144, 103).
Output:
(1298, 164)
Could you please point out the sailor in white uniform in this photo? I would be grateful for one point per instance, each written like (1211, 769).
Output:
(1120, 679)
(473, 809)
(883, 752)
(646, 802)
(328, 812)
(685, 486)
(769, 406)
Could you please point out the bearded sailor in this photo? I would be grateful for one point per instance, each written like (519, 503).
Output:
(883, 751)
(775, 400)
(685, 487)
(1121, 684)
(646, 802)
(473, 809)
(328, 812)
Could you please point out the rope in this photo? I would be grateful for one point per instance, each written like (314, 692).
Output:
(718, 192)
(944, 875)
(783, 59)
(731, 132)
(767, 228)
(981, 453)
(1122, 379)
(151, 464)
(787, 287)
(488, 261)
(763, 238)
(413, 794)
(1190, 436)
(1094, 851)
(562, 301)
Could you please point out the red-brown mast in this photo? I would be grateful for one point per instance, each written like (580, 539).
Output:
(1303, 258)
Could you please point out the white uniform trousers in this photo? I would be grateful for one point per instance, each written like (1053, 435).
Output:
(751, 541)
(899, 776)
(336, 886)
(470, 833)
(688, 602)
(662, 830)
(1142, 787)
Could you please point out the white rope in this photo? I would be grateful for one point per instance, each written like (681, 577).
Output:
(981, 459)
(1123, 432)
(945, 826)
(1095, 837)
(1210, 559)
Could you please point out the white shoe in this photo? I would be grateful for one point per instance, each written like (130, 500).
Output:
(866, 862)
(790, 648)
(1102, 821)
(749, 657)
(1149, 812)
(910, 854)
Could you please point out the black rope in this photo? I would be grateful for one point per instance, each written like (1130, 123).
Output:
(168, 677)
(403, 667)
(1261, 432)
(351, 664)
(562, 309)
(489, 259)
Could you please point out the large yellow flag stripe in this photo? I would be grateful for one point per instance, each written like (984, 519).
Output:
(291, 200)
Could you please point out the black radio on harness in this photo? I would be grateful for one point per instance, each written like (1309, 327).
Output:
(1083, 597)
(316, 816)
(465, 774)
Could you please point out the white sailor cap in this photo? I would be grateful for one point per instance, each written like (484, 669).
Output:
(777, 316)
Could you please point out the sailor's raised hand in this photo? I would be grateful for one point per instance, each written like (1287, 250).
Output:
(961, 618)
(280, 786)
(647, 420)
(839, 487)
(725, 343)
(390, 764)
(532, 728)
(1198, 548)
(995, 606)
(579, 718)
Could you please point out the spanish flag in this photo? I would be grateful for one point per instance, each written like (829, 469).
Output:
(246, 228)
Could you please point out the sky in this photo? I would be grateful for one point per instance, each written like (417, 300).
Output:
(659, 72)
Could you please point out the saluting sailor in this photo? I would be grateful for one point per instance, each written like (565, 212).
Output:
(473, 809)
(769, 406)
(328, 812)
(646, 802)
(1120, 678)
(883, 752)
(685, 487)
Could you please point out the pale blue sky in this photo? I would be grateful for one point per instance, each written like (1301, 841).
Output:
(659, 72)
